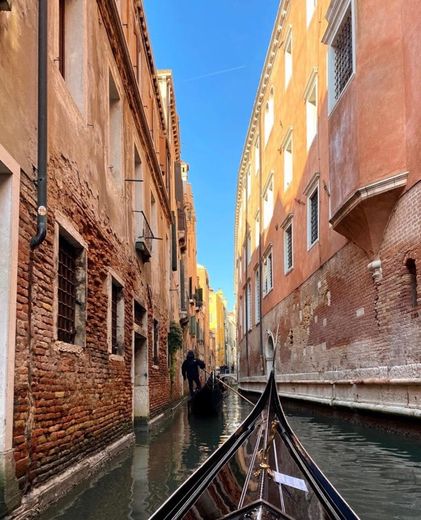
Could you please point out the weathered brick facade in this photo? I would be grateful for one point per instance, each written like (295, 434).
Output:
(328, 209)
(113, 156)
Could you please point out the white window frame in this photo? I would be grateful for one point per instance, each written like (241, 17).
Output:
(288, 224)
(310, 10)
(268, 211)
(288, 59)
(10, 172)
(269, 115)
(288, 162)
(310, 93)
(249, 300)
(267, 287)
(309, 193)
(63, 227)
(113, 277)
(257, 155)
(257, 229)
(335, 16)
(75, 52)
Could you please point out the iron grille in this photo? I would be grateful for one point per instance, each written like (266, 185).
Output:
(343, 55)
(314, 216)
(289, 247)
(66, 291)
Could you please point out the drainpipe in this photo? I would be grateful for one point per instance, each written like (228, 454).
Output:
(42, 126)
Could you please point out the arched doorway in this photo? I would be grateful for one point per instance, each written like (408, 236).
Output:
(270, 347)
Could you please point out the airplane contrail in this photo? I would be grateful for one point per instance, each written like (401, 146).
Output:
(216, 73)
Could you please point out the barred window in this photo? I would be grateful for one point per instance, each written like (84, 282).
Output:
(71, 289)
(343, 55)
(313, 215)
(66, 326)
(117, 320)
(288, 244)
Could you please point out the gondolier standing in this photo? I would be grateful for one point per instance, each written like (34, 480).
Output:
(190, 369)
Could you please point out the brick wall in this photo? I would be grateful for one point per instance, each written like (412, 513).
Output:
(342, 320)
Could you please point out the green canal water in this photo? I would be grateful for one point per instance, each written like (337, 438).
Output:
(379, 473)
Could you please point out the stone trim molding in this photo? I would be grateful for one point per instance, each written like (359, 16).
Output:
(253, 129)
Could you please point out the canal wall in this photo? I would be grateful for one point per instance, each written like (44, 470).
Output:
(57, 487)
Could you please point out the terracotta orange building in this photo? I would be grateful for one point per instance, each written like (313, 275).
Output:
(327, 232)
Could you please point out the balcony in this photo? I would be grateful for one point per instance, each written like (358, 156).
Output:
(143, 242)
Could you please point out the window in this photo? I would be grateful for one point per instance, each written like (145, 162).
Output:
(71, 48)
(248, 247)
(268, 203)
(240, 316)
(256, 156)
(311, 110)
(288, 245)
(313, 217)
(138, 194)
(138, 59)
(412, 272)
(154, 216)
(115, 129)
(267, 272)
(269, 116)
(139, 315)
(288, 58)
(249, 323)
(288, 164)
(257, 295)
(340, 39)
(257, 230)
(342, 47)
(156, 342)
(116, 318)
(310, 8)
(71, 291)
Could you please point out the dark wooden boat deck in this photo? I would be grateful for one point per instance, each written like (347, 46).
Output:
(261, 472)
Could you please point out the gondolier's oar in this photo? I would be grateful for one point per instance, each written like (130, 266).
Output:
(230, 387)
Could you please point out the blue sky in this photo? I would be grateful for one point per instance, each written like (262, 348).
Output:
(216, 50)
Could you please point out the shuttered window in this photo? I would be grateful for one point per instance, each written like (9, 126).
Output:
(314, 216)
(267, 273)
(257, 296)
(288, 244)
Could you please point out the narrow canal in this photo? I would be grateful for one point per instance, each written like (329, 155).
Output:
(379, 473)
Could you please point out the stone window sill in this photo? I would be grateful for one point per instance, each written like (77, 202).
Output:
(116, 357)
(61, 346)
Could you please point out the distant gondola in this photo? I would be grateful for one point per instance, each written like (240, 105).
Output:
(207, 400)
(261, 472)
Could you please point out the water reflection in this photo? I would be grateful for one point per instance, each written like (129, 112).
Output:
(379, 473)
